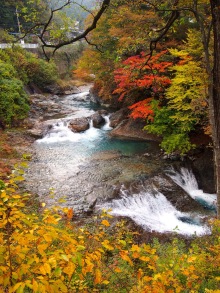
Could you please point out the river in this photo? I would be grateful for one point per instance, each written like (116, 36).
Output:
(91, 168)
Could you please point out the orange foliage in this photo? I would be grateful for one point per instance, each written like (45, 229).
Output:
(142, 110)
(141, 72)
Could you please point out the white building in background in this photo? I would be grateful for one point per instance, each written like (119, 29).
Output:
(21, 44)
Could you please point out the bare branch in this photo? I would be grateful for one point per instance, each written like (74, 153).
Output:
(50, 19)
(81, 36)
(92, 44)
(84, 8)
(173, 17)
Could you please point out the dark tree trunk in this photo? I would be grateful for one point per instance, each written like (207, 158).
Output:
(215, 96)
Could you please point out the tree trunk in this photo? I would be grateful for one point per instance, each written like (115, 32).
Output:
(215, 96)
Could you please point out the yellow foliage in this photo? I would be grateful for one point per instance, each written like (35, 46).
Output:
(105, 223)
(43, 256)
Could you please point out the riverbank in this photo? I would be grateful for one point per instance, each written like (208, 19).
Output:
(91, 170)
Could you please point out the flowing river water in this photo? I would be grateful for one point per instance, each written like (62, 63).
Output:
(87, 169)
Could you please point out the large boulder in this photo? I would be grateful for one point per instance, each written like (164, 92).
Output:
(132, 129)
(79, 124)
(118, 117)
(97, 119)
(39, 128)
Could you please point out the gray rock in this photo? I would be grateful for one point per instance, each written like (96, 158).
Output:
(118, 116)
(132, 129)
(94, 96)
(79, 124)
(97, 119)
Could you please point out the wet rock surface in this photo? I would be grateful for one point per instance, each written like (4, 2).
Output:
(118, 116)
(79, 124)
(97, 119)
(174, 193)
(99, 180)
(203, 167)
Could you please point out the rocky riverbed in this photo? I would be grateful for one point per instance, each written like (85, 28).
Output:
(111, 163)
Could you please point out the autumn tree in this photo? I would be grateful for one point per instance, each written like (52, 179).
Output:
(122, 32)
(206, 15)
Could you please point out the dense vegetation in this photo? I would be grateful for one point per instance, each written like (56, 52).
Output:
(45, 251)
(20, 68)
(51, 253)
(168, 89)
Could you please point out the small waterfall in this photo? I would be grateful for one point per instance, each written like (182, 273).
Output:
(91, 134)
(187, 181)
(91, 124)
(107, 123)
(155, 213)
(59, 132)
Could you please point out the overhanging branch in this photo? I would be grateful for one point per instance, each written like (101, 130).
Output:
(81, 36)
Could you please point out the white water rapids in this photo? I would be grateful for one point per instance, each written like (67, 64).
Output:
(61, 152)
(154, 212)
(186, 179)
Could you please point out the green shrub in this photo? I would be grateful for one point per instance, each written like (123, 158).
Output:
(30, 68)
(44, 74)
(13, 99)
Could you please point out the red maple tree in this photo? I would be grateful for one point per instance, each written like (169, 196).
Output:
(140, 72)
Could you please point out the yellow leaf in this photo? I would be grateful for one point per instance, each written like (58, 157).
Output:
(106, 244)
(16, 196)
(135, 255)
(42, 270)
(65, 257)
(139, 274)
(98, 277)
(80, 247)
(15, 275)
(125, 257)
(191, 259)
(144, 258)
(69, 269)
(122, 242)
(35, 285)
(105, 223)
(47, 237)
(135, 248)
(47, 268)
(16, 286)
(19, 178)
(105, 282)
(41, 248)
(118, 270)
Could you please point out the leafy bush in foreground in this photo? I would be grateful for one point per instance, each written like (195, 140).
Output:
(48, 253)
